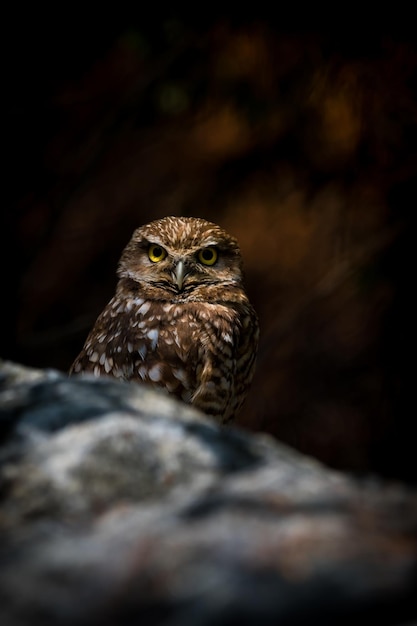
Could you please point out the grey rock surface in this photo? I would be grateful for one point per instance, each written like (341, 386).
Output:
(120, 505)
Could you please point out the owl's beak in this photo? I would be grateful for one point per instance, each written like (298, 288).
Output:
(178, 274)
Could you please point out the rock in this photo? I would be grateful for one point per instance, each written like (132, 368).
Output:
(120, 505)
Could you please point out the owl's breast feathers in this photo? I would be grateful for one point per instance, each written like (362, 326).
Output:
(202, 352)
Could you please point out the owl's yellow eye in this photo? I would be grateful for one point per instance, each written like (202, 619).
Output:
(156, 253)
(208, 256)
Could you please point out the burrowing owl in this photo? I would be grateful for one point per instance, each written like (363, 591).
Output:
(180, 318)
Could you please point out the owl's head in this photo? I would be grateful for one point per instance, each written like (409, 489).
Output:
(181, 258)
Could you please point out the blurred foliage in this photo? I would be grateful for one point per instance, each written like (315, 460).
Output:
(302, 144)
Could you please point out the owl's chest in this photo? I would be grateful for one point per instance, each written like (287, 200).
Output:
(174, 345)
(183, 331)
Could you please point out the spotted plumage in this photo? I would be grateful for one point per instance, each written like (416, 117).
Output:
(180, 318)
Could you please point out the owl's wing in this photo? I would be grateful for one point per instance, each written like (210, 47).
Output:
(228, 341)
(245, 352)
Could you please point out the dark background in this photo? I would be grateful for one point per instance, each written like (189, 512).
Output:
(302, 143)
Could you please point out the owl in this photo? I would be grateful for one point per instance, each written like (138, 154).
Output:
(180, 318)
